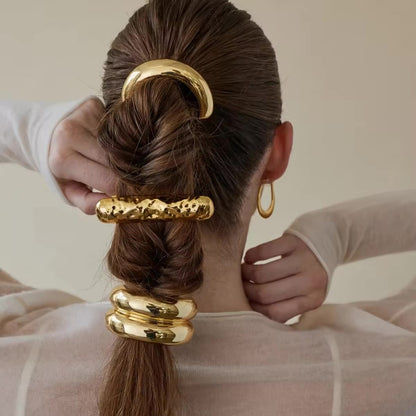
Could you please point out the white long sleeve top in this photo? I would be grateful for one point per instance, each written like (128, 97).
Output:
(356, 359)
(25, 134)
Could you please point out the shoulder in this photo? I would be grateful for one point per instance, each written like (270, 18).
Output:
(9, 285)
(21, 304)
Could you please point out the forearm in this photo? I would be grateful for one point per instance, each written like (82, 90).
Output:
(25, 133)
(361, 228)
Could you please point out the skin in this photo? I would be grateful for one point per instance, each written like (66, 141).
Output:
(77, 162)
(283, 288)
(280, 289)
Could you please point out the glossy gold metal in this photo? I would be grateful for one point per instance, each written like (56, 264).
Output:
(266, 213)
(183, 309)
(147, 319)
(131, 208)
(175, 69)
(148, 329)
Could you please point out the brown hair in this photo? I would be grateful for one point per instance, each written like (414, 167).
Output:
(159, 147)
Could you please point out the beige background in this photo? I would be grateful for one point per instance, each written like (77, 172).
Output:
(348, 75)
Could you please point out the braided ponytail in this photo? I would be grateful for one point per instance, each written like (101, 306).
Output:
(161, 259)
(159, 148)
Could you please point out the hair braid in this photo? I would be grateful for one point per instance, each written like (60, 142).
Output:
(159, 148)
(162, 259)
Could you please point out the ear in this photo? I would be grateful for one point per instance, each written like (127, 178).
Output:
(280, 152)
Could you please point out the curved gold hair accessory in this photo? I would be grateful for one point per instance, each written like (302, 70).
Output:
(146, 319)
(266, 213)
(131, 208)
(144, 305)
(175, 69)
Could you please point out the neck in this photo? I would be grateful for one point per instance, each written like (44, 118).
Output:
(222, 289)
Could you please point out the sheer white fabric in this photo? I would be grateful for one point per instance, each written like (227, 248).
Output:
(350, 360)
(356, 359)
(355, 229)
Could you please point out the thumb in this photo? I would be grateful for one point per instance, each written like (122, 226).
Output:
(82, 196)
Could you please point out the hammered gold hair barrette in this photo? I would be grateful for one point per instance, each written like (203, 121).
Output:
(132, 208)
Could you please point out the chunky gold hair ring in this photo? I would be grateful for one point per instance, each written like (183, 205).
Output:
(132, 208)
(148, 330)
(145, 319)
(144, 305)
(175, 69)
(266, 213)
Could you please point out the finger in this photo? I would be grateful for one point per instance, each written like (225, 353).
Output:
(282, 245)
(280, 290)
(273, 270)
(285, 310)
(89, 114)
(87, 145)
(80, 196)
(80, 169)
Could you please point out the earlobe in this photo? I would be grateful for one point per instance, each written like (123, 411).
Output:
(280, 152)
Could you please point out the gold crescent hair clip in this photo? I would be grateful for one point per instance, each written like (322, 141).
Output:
(131, 208)
(174, 69)
(146, 319)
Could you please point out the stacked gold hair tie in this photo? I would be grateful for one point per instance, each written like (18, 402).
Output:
(146, 319)
(141, 317)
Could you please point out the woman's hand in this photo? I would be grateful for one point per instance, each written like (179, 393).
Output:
(283, 288)
(76, 160)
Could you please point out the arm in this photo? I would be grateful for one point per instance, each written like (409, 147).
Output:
(366, 227)
(60, 141)
(317, 242)
(25, 134)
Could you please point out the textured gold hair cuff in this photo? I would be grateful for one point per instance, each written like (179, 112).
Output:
(131, 208)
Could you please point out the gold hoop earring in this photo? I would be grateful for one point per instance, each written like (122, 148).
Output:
(266, 213)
